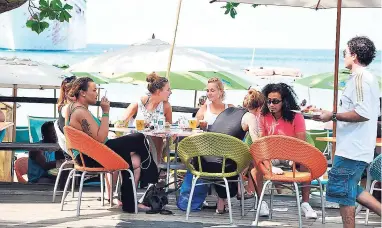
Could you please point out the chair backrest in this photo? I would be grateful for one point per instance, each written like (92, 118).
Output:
(321, 145)
(21, 168)
(283, 147)
(2, 134)
(375, 168)
(22, 134)
(34, 125)
(60, 137)
(84, 144)
(214, 144)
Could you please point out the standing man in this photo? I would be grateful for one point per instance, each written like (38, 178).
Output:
(356, 132)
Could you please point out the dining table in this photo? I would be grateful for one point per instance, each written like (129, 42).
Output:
(174, 133)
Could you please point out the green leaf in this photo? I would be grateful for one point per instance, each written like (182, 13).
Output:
(52, 15)
(43, 3)
(235, 4)
(255, 5)
(44, 25)
(36, 27)
(233, 13)
(43, 14)
(223, 7)
(62, 17)
(30, 23)
(227, 11)
(58, 3)
(68, 7)
(67, 16)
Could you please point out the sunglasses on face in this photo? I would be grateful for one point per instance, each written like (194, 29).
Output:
(274, 101)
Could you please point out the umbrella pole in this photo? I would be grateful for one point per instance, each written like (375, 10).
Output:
(173, 41)
(336, 65)
(55, 104)
(14, 112)
(195, 95)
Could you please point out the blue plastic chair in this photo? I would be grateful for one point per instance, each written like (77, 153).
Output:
(34, 126)
(375, 173)
(2, 135)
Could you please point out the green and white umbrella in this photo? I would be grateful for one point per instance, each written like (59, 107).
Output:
(326, 80)
(190, 69)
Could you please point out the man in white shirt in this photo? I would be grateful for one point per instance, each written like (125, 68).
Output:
(356, 132)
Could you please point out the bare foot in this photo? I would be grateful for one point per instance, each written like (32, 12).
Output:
(277, 171)
(142, 206)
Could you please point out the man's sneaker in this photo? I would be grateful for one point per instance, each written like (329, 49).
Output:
(264, 209)
(308, 211)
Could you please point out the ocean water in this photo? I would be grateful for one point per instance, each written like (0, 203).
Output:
(309, 61)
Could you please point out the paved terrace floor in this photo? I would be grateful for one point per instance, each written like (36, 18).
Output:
(31, 206)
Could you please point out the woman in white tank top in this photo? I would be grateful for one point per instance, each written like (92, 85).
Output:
(215, 94)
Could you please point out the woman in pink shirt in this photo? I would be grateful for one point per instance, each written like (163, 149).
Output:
(278, 119)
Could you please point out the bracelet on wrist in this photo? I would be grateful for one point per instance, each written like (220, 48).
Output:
(105, 114)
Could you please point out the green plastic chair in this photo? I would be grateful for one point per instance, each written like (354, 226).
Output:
(219, 145)
(322, 146)
(34, 126)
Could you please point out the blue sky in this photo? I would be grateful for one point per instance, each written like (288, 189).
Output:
(204, 24)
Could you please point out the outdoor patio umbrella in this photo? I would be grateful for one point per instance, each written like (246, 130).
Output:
(326, 80)
(191, 68)
(29, 74)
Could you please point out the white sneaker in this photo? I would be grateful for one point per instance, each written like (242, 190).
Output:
(264, 209)
(308, 211)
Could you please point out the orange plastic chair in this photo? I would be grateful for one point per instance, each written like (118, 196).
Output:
(281, 147)
(107, 158)
(21, 168)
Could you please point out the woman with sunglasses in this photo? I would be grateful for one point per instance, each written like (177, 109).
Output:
(278, 119)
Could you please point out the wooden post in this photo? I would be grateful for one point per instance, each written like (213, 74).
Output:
(6, 157)
(173, 41)
(336, 66)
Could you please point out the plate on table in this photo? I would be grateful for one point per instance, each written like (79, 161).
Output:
(308, 115)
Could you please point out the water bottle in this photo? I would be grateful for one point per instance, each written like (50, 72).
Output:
(155, 119)
(161, 121)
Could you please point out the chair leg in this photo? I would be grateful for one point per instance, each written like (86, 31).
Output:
(242, 195)
(80, 193)
(367, 209)
(255, 223)
(58, 180)
(66, 188)
(298, 204)
(271, 201)
(134, 190)
(111, 190)
(229, 200)
(194, 179)
(102, 189)
(118, 184)
(74, 183)
(322, 201)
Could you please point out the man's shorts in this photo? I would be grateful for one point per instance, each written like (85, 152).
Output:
(343, 181)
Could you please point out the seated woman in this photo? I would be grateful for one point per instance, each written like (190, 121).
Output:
(278, 119)
(216, 95)
(146, 107)
(40, 162)
(236, 122)
(128, 147)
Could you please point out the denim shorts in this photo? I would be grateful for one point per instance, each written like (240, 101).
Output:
(343, 181)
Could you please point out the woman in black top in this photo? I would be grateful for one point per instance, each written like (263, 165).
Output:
(235, 122)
